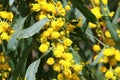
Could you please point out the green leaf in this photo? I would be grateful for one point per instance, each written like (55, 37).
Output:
(25, 33)
(19, 66)
(11, 2)
(32, 69)
(13, 42)
(91, 36)
(117, 15)
(19, 23)
(85, 11)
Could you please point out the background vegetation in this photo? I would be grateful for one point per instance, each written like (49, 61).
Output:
(59, 39)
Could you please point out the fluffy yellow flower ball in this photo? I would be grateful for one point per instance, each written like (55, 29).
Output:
(103, 69)
(67, 7)
(36, 7)
(55, 35)
(64, 63)
(117, 70)
(109, 74)
(117, 56)
(60, 76)
(56, 67)
(60, 47)
(108, 52)
(57, 54)
(67, 56)
(96, 48)
(43, 47)
(5, 36)
(107, 34)
(77, 67)
(67, 42)
(50, 61)
(67, 72)
(96, 2)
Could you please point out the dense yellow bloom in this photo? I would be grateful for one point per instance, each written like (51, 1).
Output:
(109, 74)
(40, 16)
(77, 67)
(50, 61)
(57, 54)
(43, 47)
(56, 67)
(103, 69)
(107, 34)
(45, 34)
(75, 77)
(62, 12)
(59, 5)
(60, 76)
(60, 47)
(55, 35)
(50, 30)
(96, 12)
(97, 2)
(51, 8)
(67, 72)
(117, 70)
(105, 59)
(4, 27)
(67, 42)
(117, 56)
(57, 24)
(4, 66)
(4, 36)
(111, 14)
(96, 48)
(67, 56)
(92, 25)
(6, 15)
(65, 63)
(108, 52)
(70, 27)
(36, 7)
(67, 7)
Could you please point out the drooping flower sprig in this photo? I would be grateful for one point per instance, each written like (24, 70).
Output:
(110, 55)
(56, 36)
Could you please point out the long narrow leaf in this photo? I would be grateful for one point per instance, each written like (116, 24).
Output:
(19, 66)
(32, 69)
(25, 33)
(13, 42)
